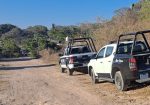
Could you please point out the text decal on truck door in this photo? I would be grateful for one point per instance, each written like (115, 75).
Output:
(119, 61)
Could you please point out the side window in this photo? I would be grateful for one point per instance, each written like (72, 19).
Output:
(108, 51)
(101, 53)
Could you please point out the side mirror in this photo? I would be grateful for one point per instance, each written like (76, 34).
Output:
(114, 53)
(60, 54)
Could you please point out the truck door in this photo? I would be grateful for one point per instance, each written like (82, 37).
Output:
(98, 68)
(108, 60)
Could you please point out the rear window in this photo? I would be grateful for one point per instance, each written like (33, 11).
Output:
(80, 50)
(126, 48)
(85, 50)
(75, 51)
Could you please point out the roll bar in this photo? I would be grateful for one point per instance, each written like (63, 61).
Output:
(88, 41)
(135, 34)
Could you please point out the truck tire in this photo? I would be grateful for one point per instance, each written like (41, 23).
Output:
(93, 77)
(120, 81)
(70, 71)
(62, 70)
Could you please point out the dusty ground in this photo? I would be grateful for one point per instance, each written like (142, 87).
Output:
(34, 82)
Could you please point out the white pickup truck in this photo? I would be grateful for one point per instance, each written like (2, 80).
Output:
(77, 55)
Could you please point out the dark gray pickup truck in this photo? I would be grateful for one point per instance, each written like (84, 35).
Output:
(77, 55)
(124, 61)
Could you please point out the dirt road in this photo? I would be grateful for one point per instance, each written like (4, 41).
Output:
(33, 82)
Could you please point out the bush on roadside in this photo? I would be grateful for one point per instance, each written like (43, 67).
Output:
(9, 48)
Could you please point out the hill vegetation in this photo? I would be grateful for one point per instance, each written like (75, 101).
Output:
(125, 20)
(33, 39)
(15, 42)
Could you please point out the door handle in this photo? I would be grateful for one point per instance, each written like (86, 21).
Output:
(109, 61)
(101, 62)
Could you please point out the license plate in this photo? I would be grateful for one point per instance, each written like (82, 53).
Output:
(144, 76)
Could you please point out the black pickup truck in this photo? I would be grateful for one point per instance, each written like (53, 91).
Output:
(124, 61)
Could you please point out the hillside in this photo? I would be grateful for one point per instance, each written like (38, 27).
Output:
(125, 20)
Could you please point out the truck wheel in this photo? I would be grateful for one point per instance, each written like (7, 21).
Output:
(62, 70)
(93, 77)
(70, 71)
(120, 81)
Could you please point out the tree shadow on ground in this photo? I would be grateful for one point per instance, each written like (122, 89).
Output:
(25, 67)
(16, 59)
(80, 72)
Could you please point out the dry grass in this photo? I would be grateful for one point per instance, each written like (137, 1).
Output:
(49, 56)
(3, 83)
(111, 30)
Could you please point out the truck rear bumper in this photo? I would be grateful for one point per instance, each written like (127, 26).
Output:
(143, 80)
(77, 66)
(143, 76)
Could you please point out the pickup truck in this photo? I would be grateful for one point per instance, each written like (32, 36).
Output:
(124, 61)
(77, 55)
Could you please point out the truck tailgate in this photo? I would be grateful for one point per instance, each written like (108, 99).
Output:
(143, 66)
(82, 58)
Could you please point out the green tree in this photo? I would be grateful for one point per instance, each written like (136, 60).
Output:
(59, 33)
(38, 29)
(9, 48)
(35, 44)
(15, 34)
(31, 46)
(4, 28)
(41, 41)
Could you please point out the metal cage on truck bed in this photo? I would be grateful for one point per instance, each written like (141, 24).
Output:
(89, 42)
(142, 33)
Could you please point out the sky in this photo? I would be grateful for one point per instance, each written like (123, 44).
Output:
(24, 13)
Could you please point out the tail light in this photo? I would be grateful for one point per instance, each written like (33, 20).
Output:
(132, 64)
(71, 60)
